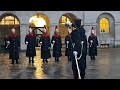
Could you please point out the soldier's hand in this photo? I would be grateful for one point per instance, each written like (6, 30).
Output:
(26, 42)
(75, 53)
(40, 43)
(53, 42)
(67, 41)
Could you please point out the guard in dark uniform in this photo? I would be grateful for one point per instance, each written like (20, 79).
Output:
(30, 40)
(57, 45)
(80, 50)
(69, 46)
(45, 46)
(93, 43)
(14, 44)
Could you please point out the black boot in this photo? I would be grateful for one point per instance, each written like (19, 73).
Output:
(91, 57)
(57, 59)
(32, 60)
(94, 58)
(29, 60)
(12, 61)
(17, 62)
(43, 61)
(46, 60)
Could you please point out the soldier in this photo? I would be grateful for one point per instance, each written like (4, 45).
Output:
(45, 46)
(30, 40)
(93, 43)
(69, 46)
(14, 43)
(79, 50)
(57, 45)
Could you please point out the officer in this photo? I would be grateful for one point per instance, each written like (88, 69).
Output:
(79, 41)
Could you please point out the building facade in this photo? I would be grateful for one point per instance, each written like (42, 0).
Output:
(105, 23)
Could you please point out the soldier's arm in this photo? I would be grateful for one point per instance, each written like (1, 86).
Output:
(18, 41)
(96, 41)
(89, 39)
(60, 42)
(49, 41)
(26, 40)
(65, 40)
(52, 39)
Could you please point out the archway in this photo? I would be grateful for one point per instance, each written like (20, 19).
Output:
(65, 18)
(7, 22)
(105, 30)
(37, 21)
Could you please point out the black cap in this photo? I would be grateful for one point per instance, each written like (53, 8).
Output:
(78, 22)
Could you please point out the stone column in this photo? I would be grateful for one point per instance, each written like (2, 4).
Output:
(23, 31)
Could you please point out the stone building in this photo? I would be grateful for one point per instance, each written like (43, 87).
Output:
(105, 23)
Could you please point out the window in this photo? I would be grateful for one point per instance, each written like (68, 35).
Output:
(9, 20)
(104, 25)
(64, 19)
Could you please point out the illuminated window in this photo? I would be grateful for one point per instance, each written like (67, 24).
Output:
(64, 19)
(104, 25)
(9, 20)
(37, 21)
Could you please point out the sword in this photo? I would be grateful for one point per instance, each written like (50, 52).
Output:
(76, 59)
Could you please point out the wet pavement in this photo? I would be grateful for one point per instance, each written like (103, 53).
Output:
(106, 66)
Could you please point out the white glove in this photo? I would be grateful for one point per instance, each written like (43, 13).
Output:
(67, 41)
(91, 41)
(40, 42)
(8, 42)
(53, 42)
(26, 42)
(75, 53)
(82, 42)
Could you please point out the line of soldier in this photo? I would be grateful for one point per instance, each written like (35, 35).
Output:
(76, 45)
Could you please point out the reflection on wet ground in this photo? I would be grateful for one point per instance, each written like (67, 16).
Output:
(106, 66)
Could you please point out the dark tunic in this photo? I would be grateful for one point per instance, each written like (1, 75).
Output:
(57, 46)
(93, 45)
(45, 47)
(77, 36)
(69, 46)
(13, 46)
(31, 39)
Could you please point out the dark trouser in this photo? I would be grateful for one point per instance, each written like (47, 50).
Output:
(82, 74)
(92, 57)
(45, 60)
(69, 58)
(14, 60)
(57, 59)
(31, 60)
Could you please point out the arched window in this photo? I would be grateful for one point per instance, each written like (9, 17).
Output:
(104, 25)
(9, 20)
(64, 19)
(37, 21)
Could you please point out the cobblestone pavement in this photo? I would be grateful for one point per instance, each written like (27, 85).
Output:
(106, 66)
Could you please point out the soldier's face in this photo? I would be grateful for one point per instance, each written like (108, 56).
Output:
(30, 30)
(57, 30)
(13, 30)
(93, 31)
(45, 31)
(69, 31)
